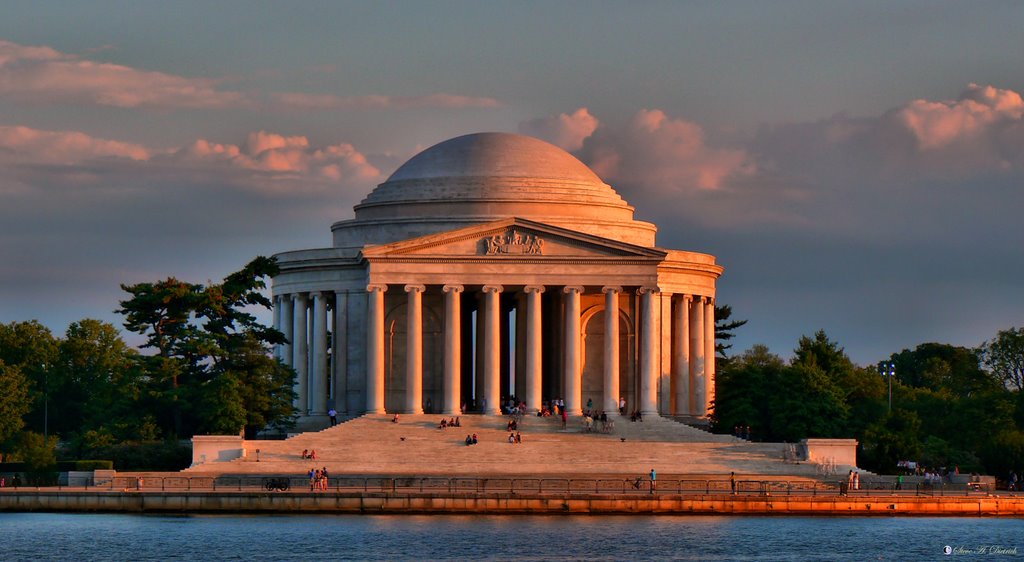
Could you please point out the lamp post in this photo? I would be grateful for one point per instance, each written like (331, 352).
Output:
(888, 370)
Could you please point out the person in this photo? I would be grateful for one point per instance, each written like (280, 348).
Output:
(474, 439)
(590, 404)
(899, 482)
(457, 422)
(333, 414)
(519, 437)
(654, 478)
(1013, 482)
(565, 417)
(856, 480)
(622, 405)
(312, 454)
(443, 424)
(305, 453)
(469, 440)
(732, 482)
(324, 485)
(636, 484)
(394, 419)
(511, 437)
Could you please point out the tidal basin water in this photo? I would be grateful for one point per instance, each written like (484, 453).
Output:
(37, 536)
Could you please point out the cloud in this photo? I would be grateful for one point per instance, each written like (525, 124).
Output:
(284, 156)
(31, 73)
(62, 147)
(657, 153)
(565, 130)
(299, 100)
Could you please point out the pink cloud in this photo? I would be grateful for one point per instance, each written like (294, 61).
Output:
(658, 153)
(284, 155)
(567, 130)
(63, 147)
(299, 100)
(936, 124)
(42, 73)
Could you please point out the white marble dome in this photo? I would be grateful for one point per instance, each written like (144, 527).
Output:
(483, 177)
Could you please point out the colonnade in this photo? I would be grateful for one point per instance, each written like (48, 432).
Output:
(687, 371)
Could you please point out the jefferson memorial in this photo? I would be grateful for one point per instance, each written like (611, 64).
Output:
(494, 265)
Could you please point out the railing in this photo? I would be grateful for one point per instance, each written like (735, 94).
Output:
(526, 486)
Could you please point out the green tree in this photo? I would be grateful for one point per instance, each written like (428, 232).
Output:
(13, 402)
(1004, 356)
(200, 333)
(96, 379)
(31, 348)
(724, 329)
(741, 389)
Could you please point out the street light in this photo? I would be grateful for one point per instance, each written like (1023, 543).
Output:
(888, 370)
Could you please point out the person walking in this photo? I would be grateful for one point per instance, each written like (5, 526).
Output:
(654, 479)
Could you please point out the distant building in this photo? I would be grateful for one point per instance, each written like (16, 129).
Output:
(492, 265)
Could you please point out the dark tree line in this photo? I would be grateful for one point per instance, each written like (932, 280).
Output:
(948, 409)
(205, 367)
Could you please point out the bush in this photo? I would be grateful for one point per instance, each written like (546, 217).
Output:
(84, 466)
(161, 456)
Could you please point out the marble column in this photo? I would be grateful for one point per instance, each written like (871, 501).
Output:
(287, 325)
(277, 323)
(534, 347)
(339, 352)
(375, 348)
(697, 355)
(318, 378)
(492, 348)
(573, 362)
(300, 352)
(648, 401)
(414, 350)
(452, 350)
(709, 355)
(681, 355)
(610, 404)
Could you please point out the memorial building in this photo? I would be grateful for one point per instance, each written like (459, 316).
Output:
(494, 265)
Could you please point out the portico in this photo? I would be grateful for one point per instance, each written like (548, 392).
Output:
(491, 266)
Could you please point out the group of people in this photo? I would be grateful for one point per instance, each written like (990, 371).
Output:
(515, 437)
(741, 431)
(445, 423)
(318, 479)
(471, 439)
(309, 454)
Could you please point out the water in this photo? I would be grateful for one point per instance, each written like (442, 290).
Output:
(38, 536)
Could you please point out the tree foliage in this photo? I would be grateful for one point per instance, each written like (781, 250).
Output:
(1004, 356)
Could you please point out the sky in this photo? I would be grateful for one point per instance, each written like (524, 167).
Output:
(857, 167)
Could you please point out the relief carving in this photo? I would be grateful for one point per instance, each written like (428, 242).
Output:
(514, 243)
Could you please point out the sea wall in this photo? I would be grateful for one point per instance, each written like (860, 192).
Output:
(419, 503)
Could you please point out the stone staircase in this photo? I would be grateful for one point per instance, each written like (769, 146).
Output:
(415, 446)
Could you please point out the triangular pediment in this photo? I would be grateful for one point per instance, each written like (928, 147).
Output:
(511, 238)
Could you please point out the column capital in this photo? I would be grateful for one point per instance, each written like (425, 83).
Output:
(493, 288)
(298, 296)
(533, 289)
(373, 287)
(416, 288)
(686, 298)
(645, 290)
(315, 294)
(572, 289)
(611, 289)
(453, 288)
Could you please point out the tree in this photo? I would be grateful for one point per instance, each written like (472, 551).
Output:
(1004, 356)
(96, 382)
(741, 388)
(724, 328)
(14, 402)
(31, 348)
(205, 337)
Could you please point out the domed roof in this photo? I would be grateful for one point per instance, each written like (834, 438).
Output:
(495, 155)
(484, 177)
